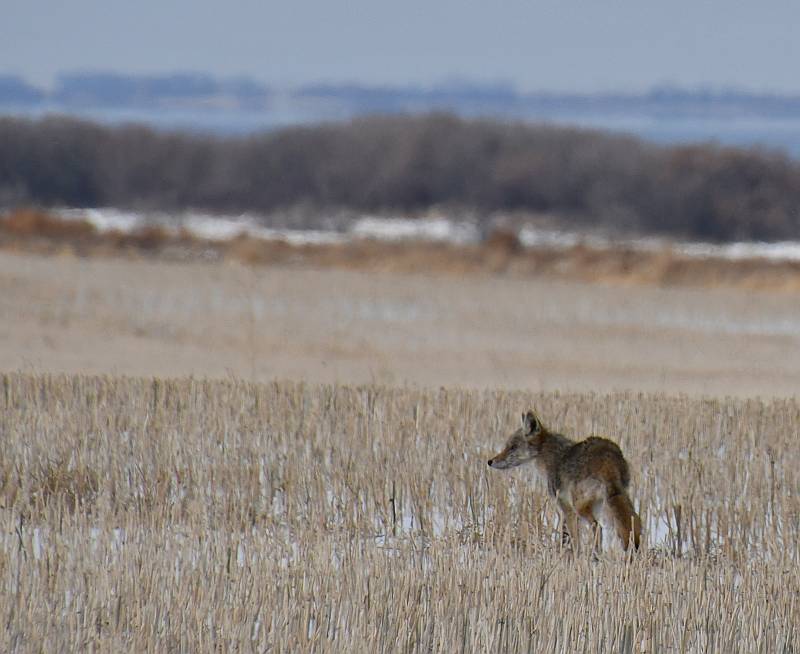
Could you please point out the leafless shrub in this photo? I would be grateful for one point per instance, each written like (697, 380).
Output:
(35, 223)
(396, 163)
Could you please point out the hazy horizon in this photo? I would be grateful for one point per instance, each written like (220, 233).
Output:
(569, 47)
(445, 83)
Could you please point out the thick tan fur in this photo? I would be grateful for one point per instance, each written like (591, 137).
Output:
(587, 478)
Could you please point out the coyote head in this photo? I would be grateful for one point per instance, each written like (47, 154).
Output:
(522, 446)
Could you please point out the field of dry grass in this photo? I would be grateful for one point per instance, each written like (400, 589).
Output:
(62, 314)
(352, 509)
(153, 515)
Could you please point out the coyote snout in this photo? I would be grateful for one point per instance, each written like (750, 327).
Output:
(588, 478)
(516, 452)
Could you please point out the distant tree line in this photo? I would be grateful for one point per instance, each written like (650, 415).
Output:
(408, 164)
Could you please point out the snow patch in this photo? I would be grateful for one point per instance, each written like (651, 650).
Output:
(420, 229)
(220, 228)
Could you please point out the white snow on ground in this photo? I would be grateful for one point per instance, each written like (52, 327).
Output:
(217, 228)
(420, 229)
(554, 239)
(780, 251)
(530, 237)
(205, 226)
(437, 229)
(105, 220)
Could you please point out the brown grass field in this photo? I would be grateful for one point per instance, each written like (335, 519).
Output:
(192, 516)
(155, 318)
(161, 491)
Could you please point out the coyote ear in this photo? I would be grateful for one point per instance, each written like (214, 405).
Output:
(530, 422)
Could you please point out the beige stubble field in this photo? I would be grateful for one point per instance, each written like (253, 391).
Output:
(263, 323)
(202, 515)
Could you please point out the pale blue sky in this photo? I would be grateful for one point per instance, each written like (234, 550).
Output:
(560, 45)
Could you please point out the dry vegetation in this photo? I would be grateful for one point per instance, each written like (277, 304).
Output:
(155, 318)
(151, 515)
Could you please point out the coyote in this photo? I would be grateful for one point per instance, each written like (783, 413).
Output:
(588, 478)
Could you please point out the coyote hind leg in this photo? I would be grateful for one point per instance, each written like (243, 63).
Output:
(569, 527)
(586, 511)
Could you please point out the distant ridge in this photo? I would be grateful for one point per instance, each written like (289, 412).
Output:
(111, 89)
(16, 91)
(87, 89)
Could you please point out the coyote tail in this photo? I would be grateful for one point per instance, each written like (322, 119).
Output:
(625, 518)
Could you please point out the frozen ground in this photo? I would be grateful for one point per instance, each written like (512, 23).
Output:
(167, 319)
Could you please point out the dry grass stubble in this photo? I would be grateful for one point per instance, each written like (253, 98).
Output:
(224, 516)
